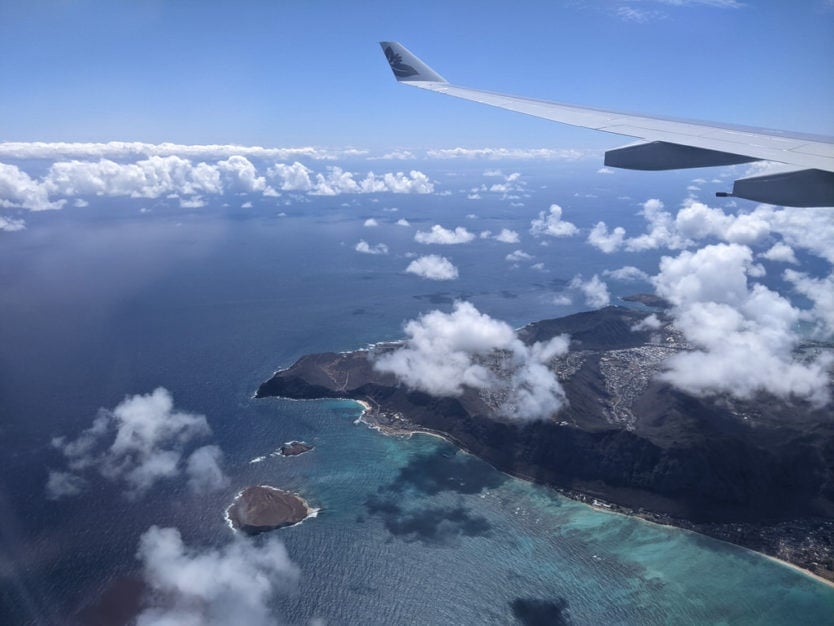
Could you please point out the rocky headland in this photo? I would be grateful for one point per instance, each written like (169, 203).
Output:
(758, 473)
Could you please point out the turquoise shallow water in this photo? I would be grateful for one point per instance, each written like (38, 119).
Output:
(418, 532)
(99, 305)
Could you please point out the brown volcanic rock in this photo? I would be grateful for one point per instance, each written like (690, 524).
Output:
(261, 508)
(294, 448)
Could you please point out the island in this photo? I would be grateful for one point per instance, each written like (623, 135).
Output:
(294, 448)
(758, 472)
(261, 508)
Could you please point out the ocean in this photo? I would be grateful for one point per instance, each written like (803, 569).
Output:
(105, 301)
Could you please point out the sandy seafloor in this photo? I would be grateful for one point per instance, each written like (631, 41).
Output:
(409, 530)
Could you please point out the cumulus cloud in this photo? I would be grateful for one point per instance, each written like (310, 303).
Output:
(518, 256)
(10, 224)
(651, 322)
(628, 273)
(403, 222)
(370, 223)
(444, 353)
(820, 291)
(507, 236)
(140, 442)
(293, 177)
(781, 253)
(810, 229)
(444, 236)
(551, 224)
(158, 176)
(17, 189)
(742, 333)
(662, 231)
(433, 267)
(595, 291)
(365, 248)
(233, 584)
(600, 238)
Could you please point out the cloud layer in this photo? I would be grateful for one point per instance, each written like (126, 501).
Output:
(446, 352)
(140, 442)
(176, 175)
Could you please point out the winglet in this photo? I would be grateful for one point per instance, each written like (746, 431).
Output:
(408, 68)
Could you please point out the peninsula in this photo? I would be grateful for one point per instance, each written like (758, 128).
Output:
(758, 472)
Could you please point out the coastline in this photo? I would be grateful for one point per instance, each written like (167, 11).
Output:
(595, 502)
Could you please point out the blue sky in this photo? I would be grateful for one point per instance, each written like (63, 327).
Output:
(311, 73)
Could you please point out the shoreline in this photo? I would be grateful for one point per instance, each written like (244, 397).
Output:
(596, 503)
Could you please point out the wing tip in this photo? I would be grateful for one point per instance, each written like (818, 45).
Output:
(406, 66)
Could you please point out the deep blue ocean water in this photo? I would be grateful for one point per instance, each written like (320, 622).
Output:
(104, 302)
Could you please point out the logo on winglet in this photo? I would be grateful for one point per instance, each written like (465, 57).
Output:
(401, 70)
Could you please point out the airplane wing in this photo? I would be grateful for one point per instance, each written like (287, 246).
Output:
(668, 143)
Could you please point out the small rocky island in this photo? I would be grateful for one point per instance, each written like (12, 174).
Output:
(758, 472)
(294, 448)
(261, 508)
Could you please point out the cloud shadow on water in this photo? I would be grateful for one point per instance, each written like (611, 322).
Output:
(443, 470)
(538, 612)
(437, 525)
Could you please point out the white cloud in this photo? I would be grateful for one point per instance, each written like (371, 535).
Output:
(518, 256)
(507, 236)
(234, 584)
(17, 189)
(370, 223)
(403, 222)
(433, 267)
(820, 291)
(811, 229)
(446, 352)
(176, 175)
(440, 235)
(605, 170)
(138, 443)
(10, 224)
(627, 273)
(662, 231)
(295, 177)
(128, 150)
(742, 334)
(64, 484)
(365, 248)
(551, 223)
(781, 253)
(651, 322)
(595, 291)
(509, 153)
(203, 470)
(600, 238)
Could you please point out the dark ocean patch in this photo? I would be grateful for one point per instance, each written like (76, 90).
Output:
(539, 612)
(443, 470)
(437, 525)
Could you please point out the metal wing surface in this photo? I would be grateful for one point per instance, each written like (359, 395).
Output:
(669, 143)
